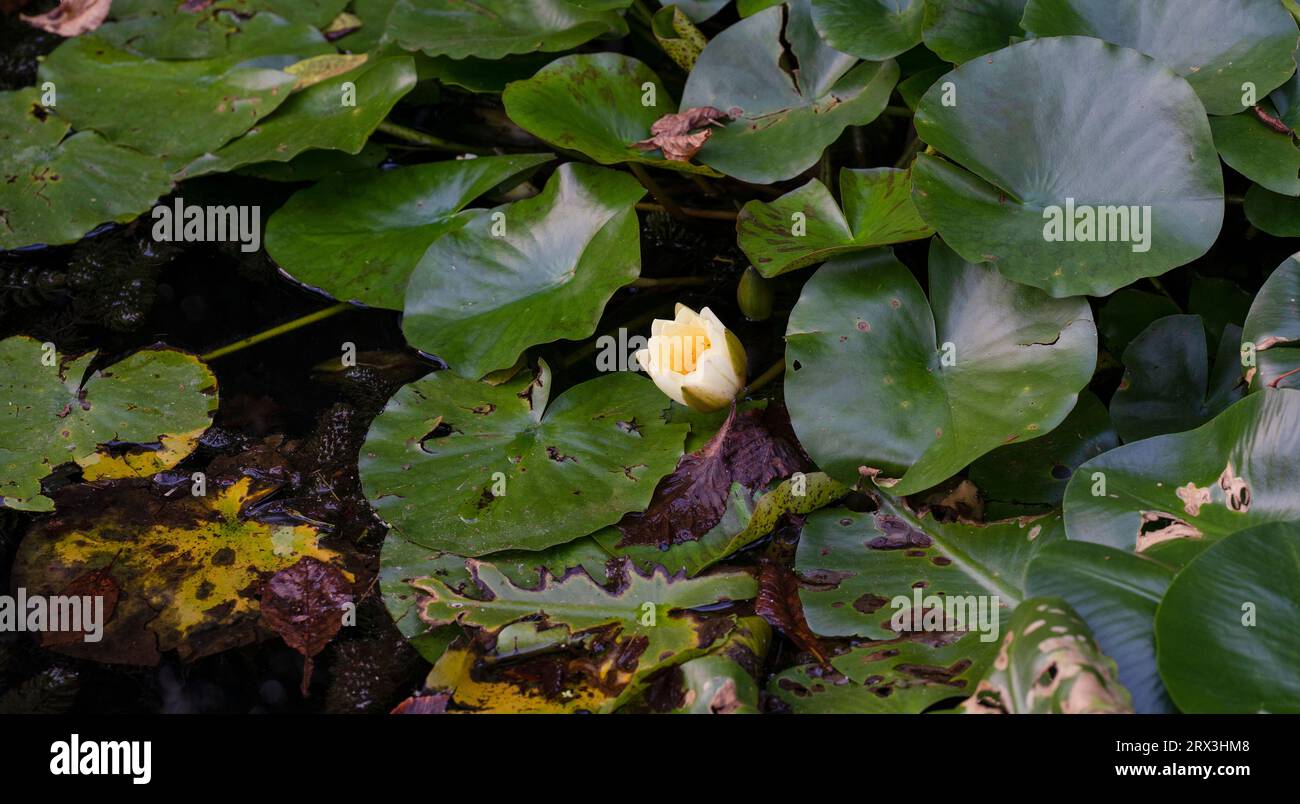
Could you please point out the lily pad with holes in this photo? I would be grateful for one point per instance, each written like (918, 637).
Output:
(528, 272)
(594, 103)
(785, 121)
(138, 416)
(1269, 158)
(54, 187)
(359, 237)
(179, 109)
(1216, 46)
(434, 460)
(1116, 593)
(1273, 327)
(491, 29)
(906, 676)
(318, 118)
(1225, 630)
(188, 570)
(1170, 384)
(861, 574)
(1030, 478)
(1181, 491)
(805, 226)
(1049, 663)
(1093, 196)
(639, 624)
(869, 29)
(909, 392)
(959, 30)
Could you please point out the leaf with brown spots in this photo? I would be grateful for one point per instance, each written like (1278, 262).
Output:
(305, 604)
(752, 448)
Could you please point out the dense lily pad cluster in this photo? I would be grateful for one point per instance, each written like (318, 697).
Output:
(998, 467)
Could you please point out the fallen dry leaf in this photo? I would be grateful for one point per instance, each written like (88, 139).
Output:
(677, 135)
(751, 448)
(304, 603)
(71, 17)
(778, 602)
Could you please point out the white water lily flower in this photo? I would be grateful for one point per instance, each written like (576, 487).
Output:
(694, 359)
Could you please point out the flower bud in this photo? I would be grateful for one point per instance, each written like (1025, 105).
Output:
(754, 295)
(694, 359)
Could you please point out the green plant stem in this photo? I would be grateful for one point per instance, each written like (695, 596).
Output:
(670, 281)
(641, 12)
(689, 212)
(1235, 199)
(427, 140)
(665, 200)
(1160, 287)
(773, 371)
(909, 152)
(276, 331)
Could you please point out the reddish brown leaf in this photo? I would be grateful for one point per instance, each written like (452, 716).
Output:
(435, 704)
(305, 604)
(681, 136)
(71, 17)
(778, 602)
(96, 583)
(1272, 122)
(751, 448)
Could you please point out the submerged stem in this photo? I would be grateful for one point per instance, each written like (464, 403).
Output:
(275, 332)
(427, 140)
(691, 212)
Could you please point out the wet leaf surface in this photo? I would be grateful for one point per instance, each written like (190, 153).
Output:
(491, 29)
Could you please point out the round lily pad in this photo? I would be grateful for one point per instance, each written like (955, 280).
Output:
(805, 226)
(529, 272)
(869, 29)
(882, 384)
(1093, 196)
(785, 121)
(1225, 631)
(358, 237)
(490, 29)
(959, 30)
(1272, 212)
(138, 416)
(1216, 46)
(470, 468)
(594, 103)
(54, 187)
(1264, 155)
(1183, 490)
(1273, 328)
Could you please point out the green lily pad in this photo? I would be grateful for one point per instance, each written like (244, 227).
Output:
(1277, 214)
(1215, 46)
(959, 30)
(317, 118)
(179, 109)
(54, 187)
(136, 417)
(1127, 312)
(1226, 628)
(862, 573)
(592, 103)
(784, 123)
(433, 458)
(1116, 592)
(1030, 478)
(402, 561)
(182, 573)
(883, 384)
(805, 226)
(529, 272)
(359, 237)
(1183, 490)
(480, 75)
(700, 10)
(1149, 184)
(677, 36)
(1219, 302)
(644, 622)
(723, 681)
(1265, 156)
(314, 166)
(1049, 663)
(869, 29)
(1169, 385)
(1273, 326)
(491, 29)
(897, 677)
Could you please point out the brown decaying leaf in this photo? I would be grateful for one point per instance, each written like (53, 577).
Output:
(1272, 122)
(778, 602)
(751, 448)
(304, 603)
(433, 704)
(96, 583)
(677, 135)
(71, 17)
